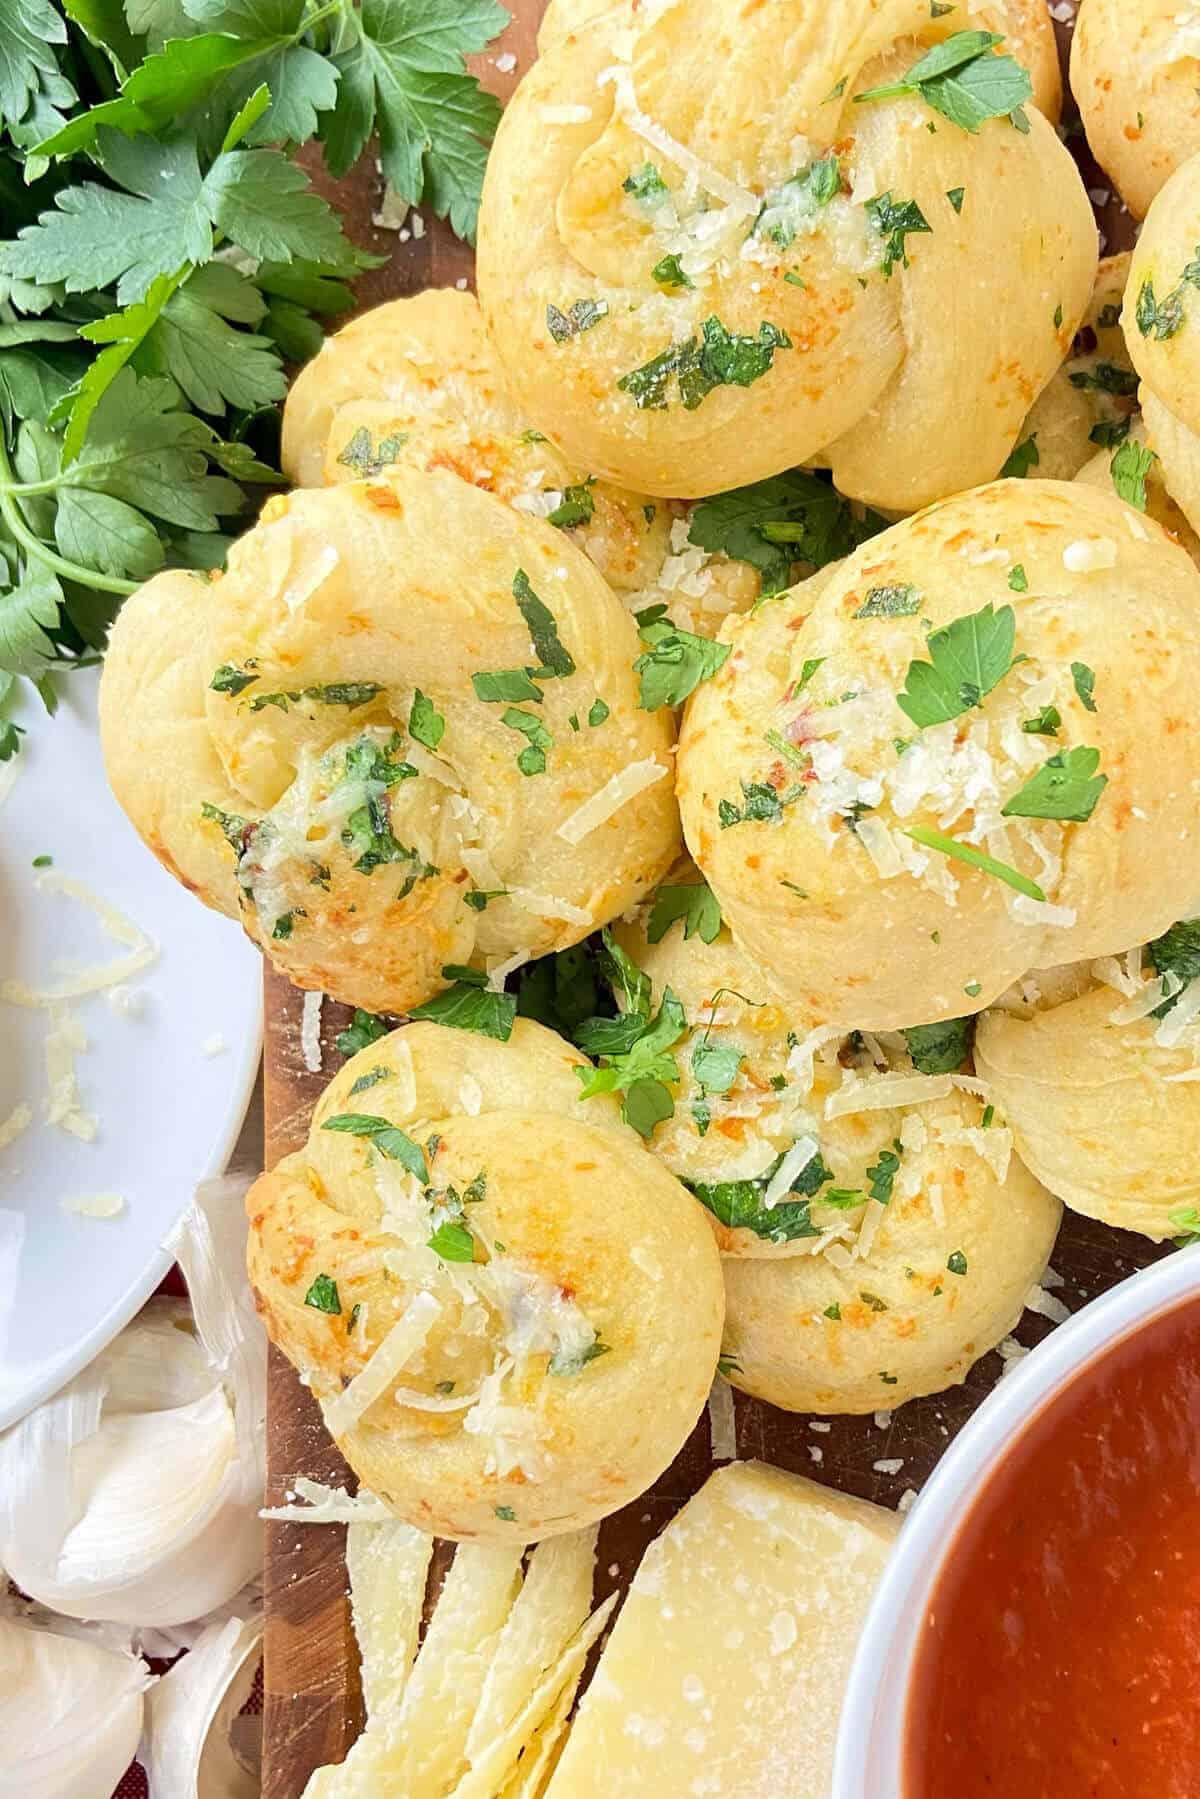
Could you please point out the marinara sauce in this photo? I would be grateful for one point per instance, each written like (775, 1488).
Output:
(1061, 1655)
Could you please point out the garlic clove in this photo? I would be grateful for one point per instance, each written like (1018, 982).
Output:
(193, 1748)
(70, 1713)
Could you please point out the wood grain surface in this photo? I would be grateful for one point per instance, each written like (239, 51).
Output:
(312, 1702)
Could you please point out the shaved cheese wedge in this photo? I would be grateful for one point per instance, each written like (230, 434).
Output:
(551, 1608)
(795, 1160)
(544, 905)
(880, 1092)
(492, 1767)
(388, 1565)
(762, 1559)
(616, 792)
(742, 201)
(446, 1684)
(327, 1505)
(1148, 999)
(393, 1355)
(528, 1779)
(1175, 1025)
(310, 1032)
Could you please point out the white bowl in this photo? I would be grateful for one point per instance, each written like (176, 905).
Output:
(869, 1762)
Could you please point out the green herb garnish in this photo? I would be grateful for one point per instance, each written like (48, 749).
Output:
(322, 1296)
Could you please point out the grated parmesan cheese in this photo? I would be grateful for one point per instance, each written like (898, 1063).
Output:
(1151, 996)
(18, 1120)
(722, 1422)
(616, 793)
(544, 905)
(94, 1205)
(739, 198)
(64, 1041)
(120, 929)
(1046, 1306)
(881, 1092)
(794, 1162)
(1173, 1028)
(310, 1032)
(405, 1339)
(327, 1505)
(1090, 555)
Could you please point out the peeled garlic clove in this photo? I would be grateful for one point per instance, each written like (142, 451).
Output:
(70, 1713)
(191, 1717)
(132, 1494)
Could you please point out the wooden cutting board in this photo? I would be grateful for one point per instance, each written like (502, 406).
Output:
(311, 1703)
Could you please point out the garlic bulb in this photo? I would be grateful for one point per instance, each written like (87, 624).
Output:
(192, 1717)
(132, 1494)
(70, 1713)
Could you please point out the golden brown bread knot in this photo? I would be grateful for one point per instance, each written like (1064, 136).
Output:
(510, 1311)
(354, 711)
(1133, 72)
(695, 285)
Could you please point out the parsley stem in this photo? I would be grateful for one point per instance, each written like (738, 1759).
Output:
(13, 517)
(318, 17)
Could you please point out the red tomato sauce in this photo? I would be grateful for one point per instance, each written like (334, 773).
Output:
(1061, 1658)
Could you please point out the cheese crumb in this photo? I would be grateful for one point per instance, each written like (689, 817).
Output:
(1088, 555)
(310, 1032)
(94, 1205)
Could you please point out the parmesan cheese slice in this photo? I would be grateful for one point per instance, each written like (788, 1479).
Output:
(760, 1585)
(388, 1565)
(402, 1342)
(616, 792)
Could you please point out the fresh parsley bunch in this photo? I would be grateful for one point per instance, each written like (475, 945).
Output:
(163, 257)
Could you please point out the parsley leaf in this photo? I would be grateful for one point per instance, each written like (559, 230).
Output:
(425, 723)
(554, 659)
(532, 759)
(939, 1048)
(646, 185)
(695, 903)
(773, 524)
(715, 1064)
(1129, 468)
(761, 804)
(900, 601)
(718, 358)
(576, 507)
(895, 221)
(366, 456)
(1106, 378)
(1085, 684)
(787, 209)
(965, 852)
(882, 1175)
(363, 1029)
(967, 659)
(574, 1361)
(675, 664)
(468, 1006)
(323, 1295)
(401, 74)
(1158, 318)
(669, 272)
(387, 1138)
(581, 315)
(1177, 952)
(1066, 787)
(1025, 456)
(453, 1242)
(963, 79)
(739, 1204)
(636, 1061)
(505, 684)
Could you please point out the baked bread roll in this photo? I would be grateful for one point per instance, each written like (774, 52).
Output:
(757, 1132)
(1132, 467)
(842, 773)
(510, 1311)
(1134, 72)
(1101, 1090)
(1026, 23)
(931, 1282)
(694, 286)
(398, 795)
(1161, 319)
(1094, 394)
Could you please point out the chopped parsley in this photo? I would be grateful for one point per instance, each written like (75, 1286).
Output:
(965, 81)
(715, 1064)
(366, 457)
(574, 1361)
(598, 711)
(896, 221)
(580, 316)
(634, 1050)
(695, 903)
(232, 826)
(322, 1296)
(717, 358)
(1106, 378)
(453, 1242)
(386, 1137)
(965, 852)
(532, 759)
(646, 185)
(1085, 684)
(1043, 724)
(1177, 952)
(425, 723)
(882, 1175)
(956, 196)
(1129, 468)
(939, 1048)
(372, 1078)
(1110, 432)
(669, 272)
(739, 1204)
(364, 1028)
(281, 930)
(676, 661)
(576, 507)
(470, 1005)
(773, 524)
(231, 679)
(554, 659)
(727, 1365)
(351, 694)
(1158, 318)
(1025, 456)
(504, 685)
(368, 830)
(1066, 787)
(1018, 580)
(761, 804)
(967, 659)
(480, 898)
(505, 1514)
(900, 601)
(957, 1262)
(786, 209)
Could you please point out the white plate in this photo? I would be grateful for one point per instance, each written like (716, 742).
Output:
(168, 1112)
